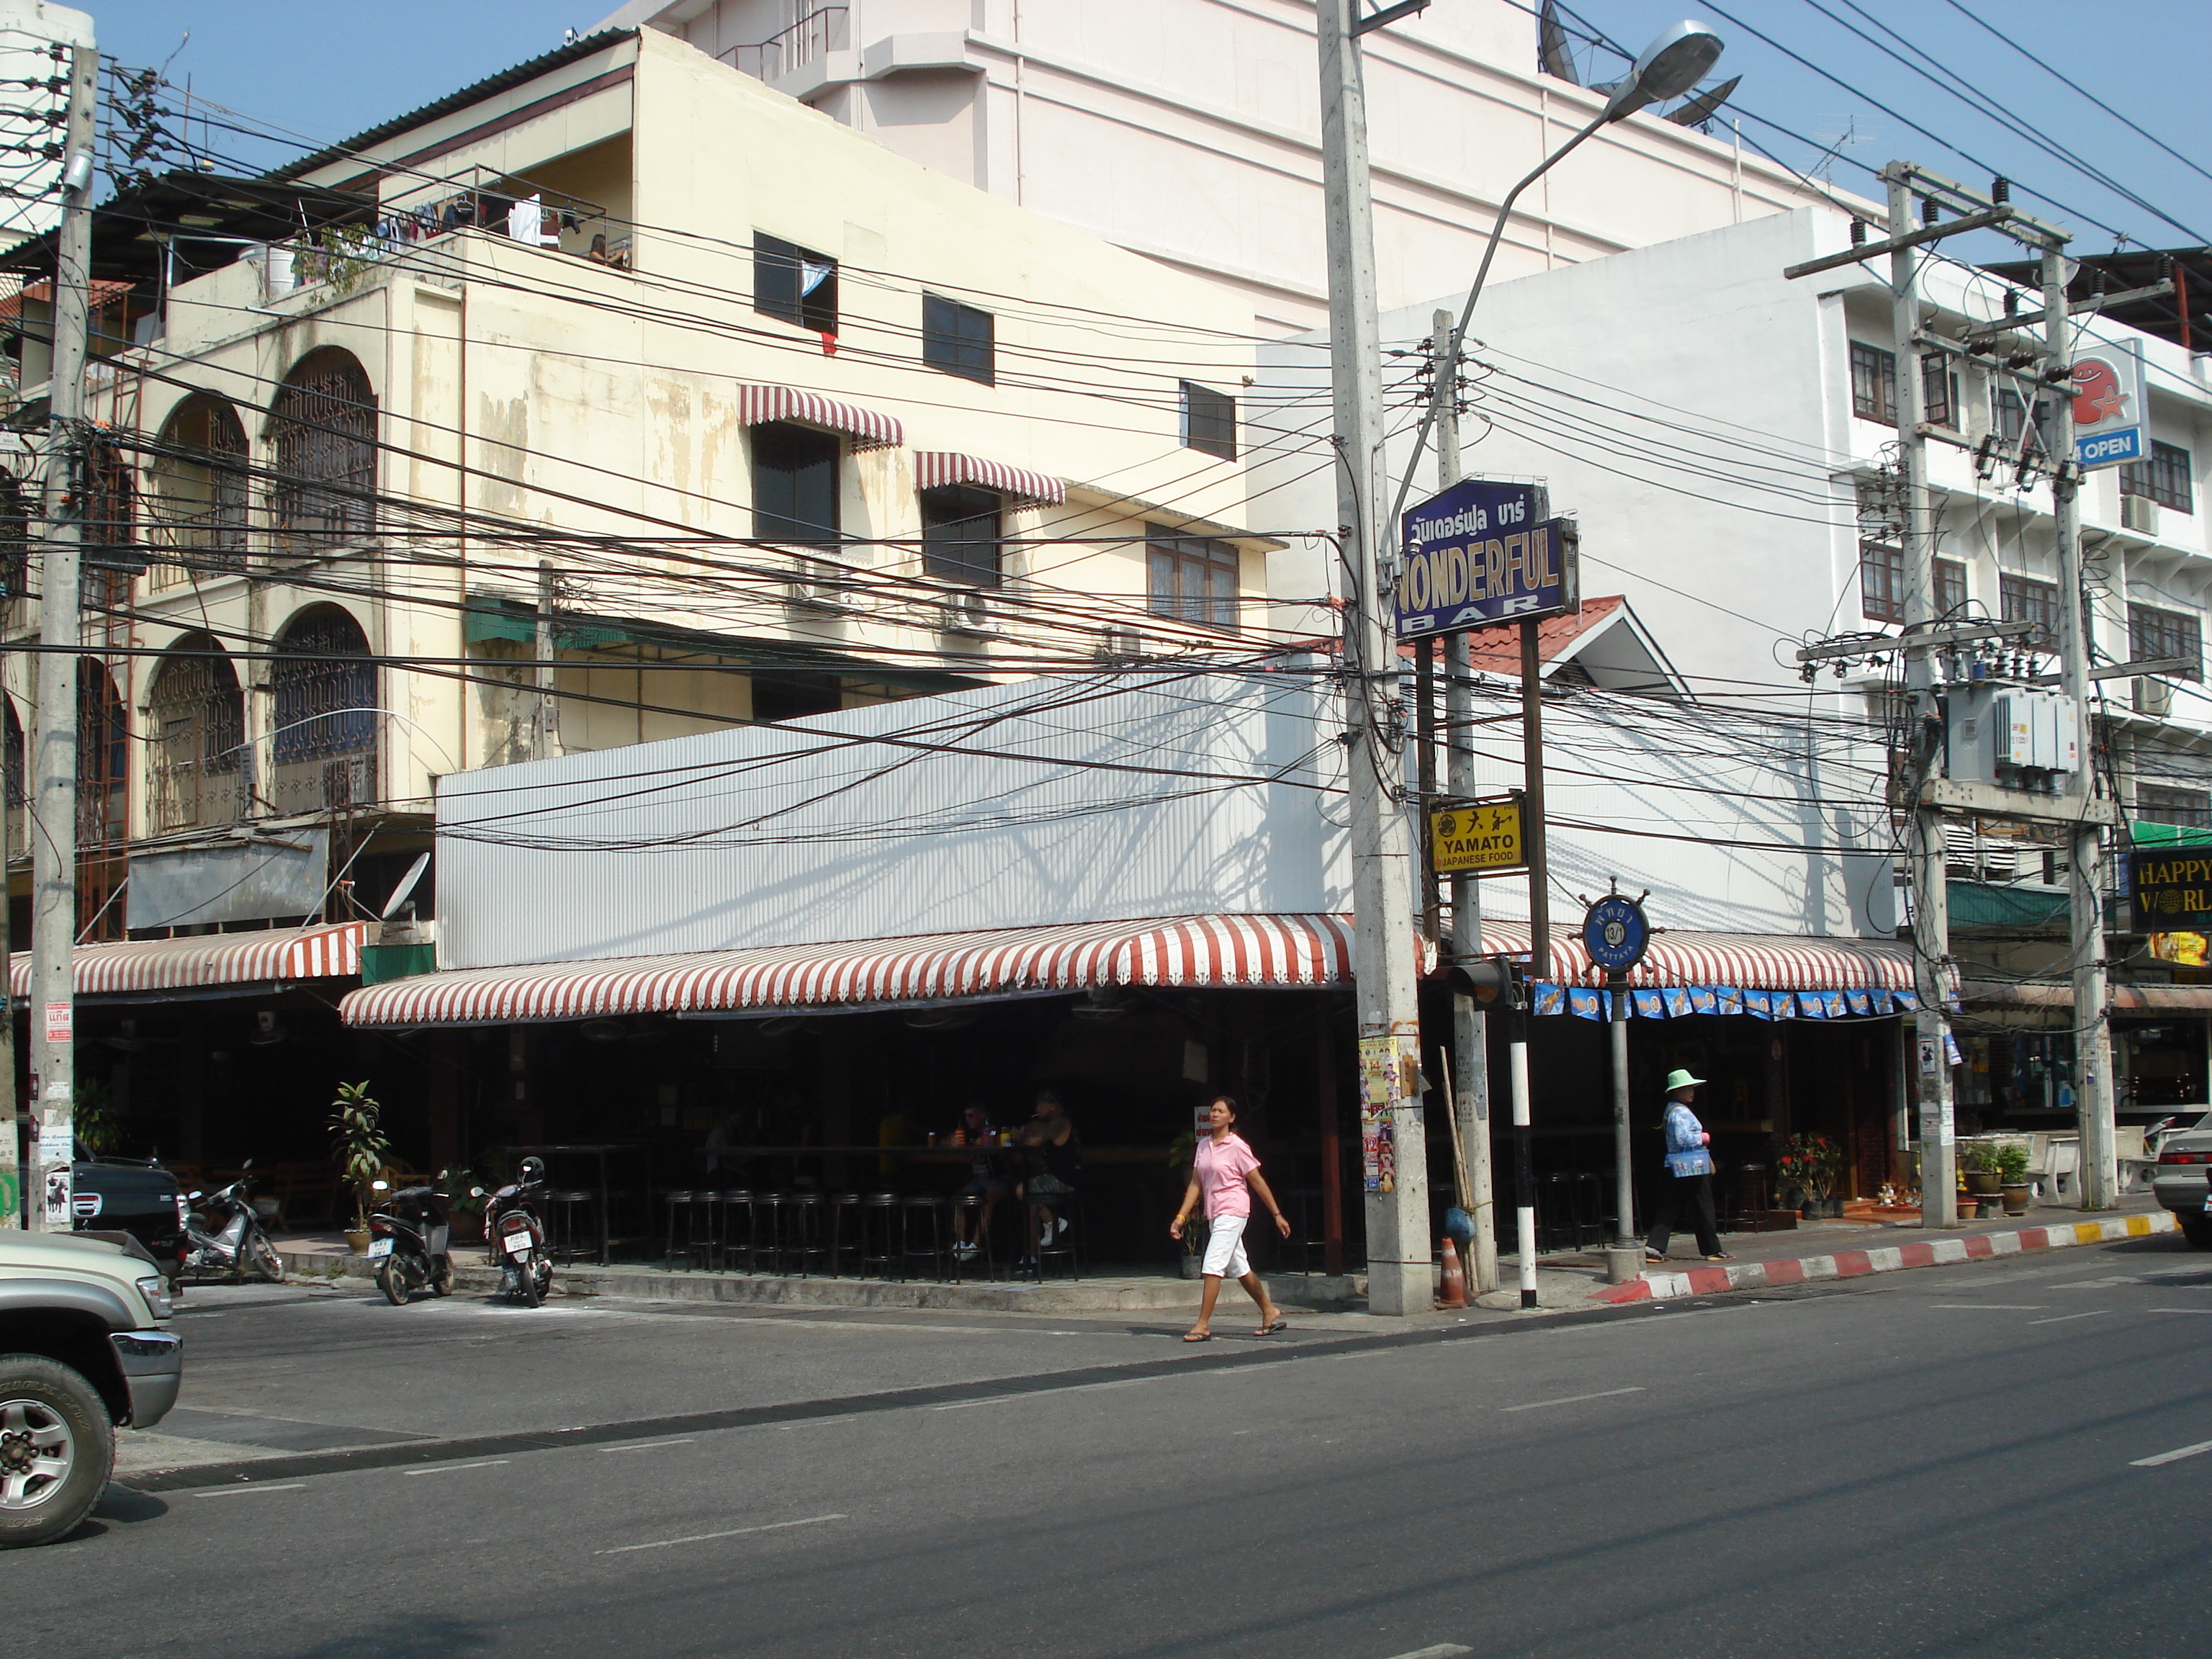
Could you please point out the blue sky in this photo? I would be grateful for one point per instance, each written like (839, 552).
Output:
(327, 70)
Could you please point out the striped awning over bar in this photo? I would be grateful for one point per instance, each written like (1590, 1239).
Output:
(935, 468)
(867, 429)
(323, 952)
(1258, 950)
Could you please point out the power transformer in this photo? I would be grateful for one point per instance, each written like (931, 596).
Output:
(2016, 737)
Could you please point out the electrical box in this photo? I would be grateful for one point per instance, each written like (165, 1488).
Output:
(2016, 737)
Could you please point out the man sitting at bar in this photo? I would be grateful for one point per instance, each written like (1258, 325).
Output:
(987, 1178)
(1056, 1158)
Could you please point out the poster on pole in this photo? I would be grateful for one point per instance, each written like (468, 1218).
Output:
(1378, 1093)
(1480, 553)
(2108, 404)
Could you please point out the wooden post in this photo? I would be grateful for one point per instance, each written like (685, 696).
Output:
(1332, 1162)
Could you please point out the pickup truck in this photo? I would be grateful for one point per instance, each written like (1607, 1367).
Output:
(82, 1354)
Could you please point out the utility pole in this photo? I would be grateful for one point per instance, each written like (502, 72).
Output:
(2093, 1025)
(1931, 899)
(546, 719)
(1400, 1279)
(1470, 1025)
(52, 788)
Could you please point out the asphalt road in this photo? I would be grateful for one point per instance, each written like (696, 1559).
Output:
(1962, 1461)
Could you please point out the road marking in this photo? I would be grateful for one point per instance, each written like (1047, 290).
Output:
(818, 1422)
(448, 1468)
(2173, 1456)
(237, 1491)
(1992, 1306)
(996, 1400)
(2061, 1319)
(2194, 1310)
(708, 1537)
(1539, 1404)
(650, 1445)
(1441, 1650)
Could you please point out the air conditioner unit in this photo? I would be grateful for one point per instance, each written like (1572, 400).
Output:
(1120, 645)
(967, 610)
(2153, 697)
(817, 586)
(2140, 514)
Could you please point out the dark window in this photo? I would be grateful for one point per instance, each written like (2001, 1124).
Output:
(2008, 415)
(1881, 582)
(960, 536)
(1950, 587)
(2155, 633)
(1939, 392)
(1191, 578)
(795, 695)
(2190, 808)
(1209, 421)
(794, 484)
(2166, 478)
(1873, 384)
(198, 508)
(794, 284)
(324, 425)
(956, 338)
(2022, 598)
(196, 727)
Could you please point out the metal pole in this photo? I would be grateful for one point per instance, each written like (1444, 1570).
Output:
(1624, 1173)
(2092, 1031)
(1539, 948)
(11, 1174)
(1470, 1025)
(52, 789)
(545, 721)
(1524, 1173)
(1400, 1279)
(1931, 908)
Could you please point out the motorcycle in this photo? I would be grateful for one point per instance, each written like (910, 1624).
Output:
(407, 1234)
(225, 1235)
(514, 1234)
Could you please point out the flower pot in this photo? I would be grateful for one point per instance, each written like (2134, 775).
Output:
(357, 1242)
(1831, 1209)
(2016, 1199)
(1984, 1184)
(467, 1227)
(1191, 1265)
(1988, 1205)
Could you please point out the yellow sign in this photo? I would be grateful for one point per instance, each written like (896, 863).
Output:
(1464, 839)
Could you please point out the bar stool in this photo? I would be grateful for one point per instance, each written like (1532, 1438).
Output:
(1752, 1201)
(913, 1210)
(879, 1246)
(844, 1231)
(695, 1212)
(1304, 1201)
(767, 1211)
(1555, 1211)
(975, 1206)
(1064, 1243)
(802, 1216)
(562, 1206)
(1590, 1217)
(734, 1208)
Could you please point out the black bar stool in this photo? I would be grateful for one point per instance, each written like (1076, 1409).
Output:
(802, 1218)
(563, 1203)
(733, 1216)
(913, 1211)
(768, 1218)
(693, 1212)
(844, 1232)
(1067, 1239)
(1591, 1220)
(879, 1241)
(975, 1206)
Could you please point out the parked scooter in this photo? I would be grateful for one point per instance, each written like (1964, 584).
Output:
(514, 1234)
(407, 1240)
(224, 1234)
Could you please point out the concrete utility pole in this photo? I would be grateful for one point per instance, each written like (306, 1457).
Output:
(52, 788)
(1470, 1025)
(2092, 1026)
(1931, 899)
(1399, 1277)
(546, 719)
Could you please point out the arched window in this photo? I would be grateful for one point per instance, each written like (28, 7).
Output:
(196, 735)
(323, 433)
(14, 538)
(110, 533)
(325, 713)
(198, 512)
(103, 756)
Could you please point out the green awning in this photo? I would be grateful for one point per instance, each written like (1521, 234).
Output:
(1994, 904)
(2143, 834)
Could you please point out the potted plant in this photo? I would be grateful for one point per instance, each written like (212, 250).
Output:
(1811, 1164)
(463, 1210)
(2012, 1177)
(1979, 1169)
(359, 1147)
(1182, 1152)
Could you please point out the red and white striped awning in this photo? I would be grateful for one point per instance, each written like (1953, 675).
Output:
(1267, 951)
(1749, 962)
(866, 428)
(935, 468)
(323, 952)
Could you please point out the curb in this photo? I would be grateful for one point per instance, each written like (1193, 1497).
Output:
(1850, 1264)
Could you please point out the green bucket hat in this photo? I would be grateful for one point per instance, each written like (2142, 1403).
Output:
(1679, 1078)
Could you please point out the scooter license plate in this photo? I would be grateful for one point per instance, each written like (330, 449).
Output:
(380, 1247)
(518, 1244)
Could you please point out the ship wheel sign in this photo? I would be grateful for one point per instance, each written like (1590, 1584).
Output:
(1615, 933)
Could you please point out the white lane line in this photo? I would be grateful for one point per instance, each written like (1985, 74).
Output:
(448, 1468)
(2194, 1310)
(1992, 1306)
(708, 1537)
(650, 1445)
(1441, 1650)
(241, 1492)
(2061, 1319)
(818, 1422)
(996, 1400)
(2173, 1456)
(1570, 1400)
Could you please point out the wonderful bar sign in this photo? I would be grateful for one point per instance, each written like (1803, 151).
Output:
(2172, 891)
(1480, 554)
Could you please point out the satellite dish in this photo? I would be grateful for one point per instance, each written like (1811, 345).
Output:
(406, 886)
(1704, 105)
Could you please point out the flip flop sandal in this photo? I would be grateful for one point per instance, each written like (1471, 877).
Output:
(1270, 1329)
(1198, 1336)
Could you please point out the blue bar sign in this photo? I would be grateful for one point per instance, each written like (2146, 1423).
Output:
(1478, 555)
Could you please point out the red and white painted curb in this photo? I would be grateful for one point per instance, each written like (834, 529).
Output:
(1849, 1264)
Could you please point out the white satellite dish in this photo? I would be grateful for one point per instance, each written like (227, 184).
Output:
(406, 886)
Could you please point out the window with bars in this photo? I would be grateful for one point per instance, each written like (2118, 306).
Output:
(794, 284)
(324, 714)
(196, 513)
(2153, 632)
(2168, 477)
(1874, 383)
(196, 721)
(2189, 809)
(324, 428)
(2008, 419)
(1209, 421)
(1190, 578)
(2022, 598)
(961, 535)
(957, 339)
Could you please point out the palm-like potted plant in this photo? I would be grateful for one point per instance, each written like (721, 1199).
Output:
(2012, 1177)
(359, 1147)
(1983, 1170)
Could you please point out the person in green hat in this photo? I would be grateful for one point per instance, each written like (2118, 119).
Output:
(1688, 1191)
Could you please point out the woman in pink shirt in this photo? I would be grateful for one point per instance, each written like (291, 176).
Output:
(1225, 1174)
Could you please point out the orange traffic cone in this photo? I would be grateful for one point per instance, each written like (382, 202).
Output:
(1454, 1294)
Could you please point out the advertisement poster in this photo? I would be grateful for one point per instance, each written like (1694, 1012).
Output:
(58, 1198)
(1378, 1077)
(2108, 404)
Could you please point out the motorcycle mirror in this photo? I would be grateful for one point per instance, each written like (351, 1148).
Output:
(194, 1198)
(379, 1186)
(477, 1192)
(247, 1164)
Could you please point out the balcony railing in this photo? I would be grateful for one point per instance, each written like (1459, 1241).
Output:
(814, 36)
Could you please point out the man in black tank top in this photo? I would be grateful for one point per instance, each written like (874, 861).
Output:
(1056, 1159)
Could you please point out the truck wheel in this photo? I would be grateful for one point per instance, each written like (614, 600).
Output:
(2197, 1230)
(57, 1449)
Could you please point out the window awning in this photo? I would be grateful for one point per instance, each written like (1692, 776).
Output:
(323, 952)
(868, 429)
(1253, 950)
(935, 468)
(1767, 975)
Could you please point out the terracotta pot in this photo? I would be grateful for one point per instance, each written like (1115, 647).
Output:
(2016, 1199)
(357, 1242)
(1984, 1184)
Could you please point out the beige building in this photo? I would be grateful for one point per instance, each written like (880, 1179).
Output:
(1189, 130)
(788, 421)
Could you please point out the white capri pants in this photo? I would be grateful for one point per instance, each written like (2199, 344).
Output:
(1225, 1248)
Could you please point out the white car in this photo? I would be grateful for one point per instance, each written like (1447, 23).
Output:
(81, 1353)
(2180, 1179)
